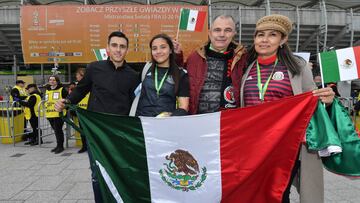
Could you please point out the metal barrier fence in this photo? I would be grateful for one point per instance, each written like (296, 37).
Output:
(18, 131)
(70, 132)
(12, 122)
(44, 128)
(5, 120)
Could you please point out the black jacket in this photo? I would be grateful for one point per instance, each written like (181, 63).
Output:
(111, 90)
(16, 94)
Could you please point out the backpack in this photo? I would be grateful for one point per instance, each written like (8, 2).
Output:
(137, 96)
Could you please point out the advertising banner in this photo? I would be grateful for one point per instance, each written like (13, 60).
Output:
(70, 34)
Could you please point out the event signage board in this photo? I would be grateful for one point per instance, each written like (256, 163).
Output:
(69, 34)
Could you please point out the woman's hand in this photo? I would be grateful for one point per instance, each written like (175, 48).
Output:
(177, 47)
(326, 95)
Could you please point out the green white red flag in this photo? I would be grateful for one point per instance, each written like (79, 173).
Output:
(241, 155)
(340, 65)
(100, 54)
(192, 20)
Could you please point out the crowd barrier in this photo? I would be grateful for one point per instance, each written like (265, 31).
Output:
(12, 122)
(44, 128)
(71, 133)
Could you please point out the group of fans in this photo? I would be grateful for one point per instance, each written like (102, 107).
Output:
(219, 75)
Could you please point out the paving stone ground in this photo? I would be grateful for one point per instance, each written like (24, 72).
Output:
(34, 174)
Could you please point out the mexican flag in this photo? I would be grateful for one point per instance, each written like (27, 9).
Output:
(241, 155)
(100, 54)
(340, 65)
(192, 20)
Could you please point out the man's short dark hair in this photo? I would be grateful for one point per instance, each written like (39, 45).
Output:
(118, 34)
(19, 82)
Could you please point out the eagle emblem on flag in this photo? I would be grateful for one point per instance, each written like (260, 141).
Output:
(182, 171)
(347, 63)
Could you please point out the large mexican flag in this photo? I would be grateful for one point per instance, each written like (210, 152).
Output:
(241, 155)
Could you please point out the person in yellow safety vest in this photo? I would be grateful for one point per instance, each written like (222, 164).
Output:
(55, 92)
(31, 104)
(18, 91)
(357, 105)
(80, 72)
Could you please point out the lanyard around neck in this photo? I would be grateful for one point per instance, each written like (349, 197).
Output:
(263, 87)
(158, 86)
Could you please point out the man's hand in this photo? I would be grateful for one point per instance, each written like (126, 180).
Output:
(60, 105)
(326, 95)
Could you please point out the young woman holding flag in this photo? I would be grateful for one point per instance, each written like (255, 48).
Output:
(274, 73)
(165, 87)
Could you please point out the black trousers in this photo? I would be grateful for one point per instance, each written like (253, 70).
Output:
(94, 178)
(83, 139)
(286, 195)
(34, 122)
(57, 124)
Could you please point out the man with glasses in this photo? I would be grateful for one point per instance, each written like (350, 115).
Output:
(111, 84)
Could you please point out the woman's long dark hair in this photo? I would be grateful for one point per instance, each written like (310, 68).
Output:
(284, 55)
(174, 70)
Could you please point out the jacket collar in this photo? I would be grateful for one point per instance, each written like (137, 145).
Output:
(238, 52)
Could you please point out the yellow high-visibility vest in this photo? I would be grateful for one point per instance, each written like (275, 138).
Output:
(84, 102)
(27, 110)
(51, 97)
(22, 92)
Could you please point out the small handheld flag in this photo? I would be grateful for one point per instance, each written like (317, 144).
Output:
(100, 54)
(191, 20)
(340, 65)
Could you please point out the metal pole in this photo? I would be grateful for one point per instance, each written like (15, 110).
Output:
(14, 67)
(42, 73)
(297, 28)
(22, 2)
(41, 112)
(210, 13)
(148, 2)
(85, 2)
(268, 9)
(240, 24)
(351, 27)
(325, 23)
(69, 72)
(317, 47)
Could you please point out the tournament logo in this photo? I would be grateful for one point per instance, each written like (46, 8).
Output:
(347, 63)
(182, 172)
(278, 75)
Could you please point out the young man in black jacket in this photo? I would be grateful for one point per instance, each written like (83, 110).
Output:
(111, 84)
